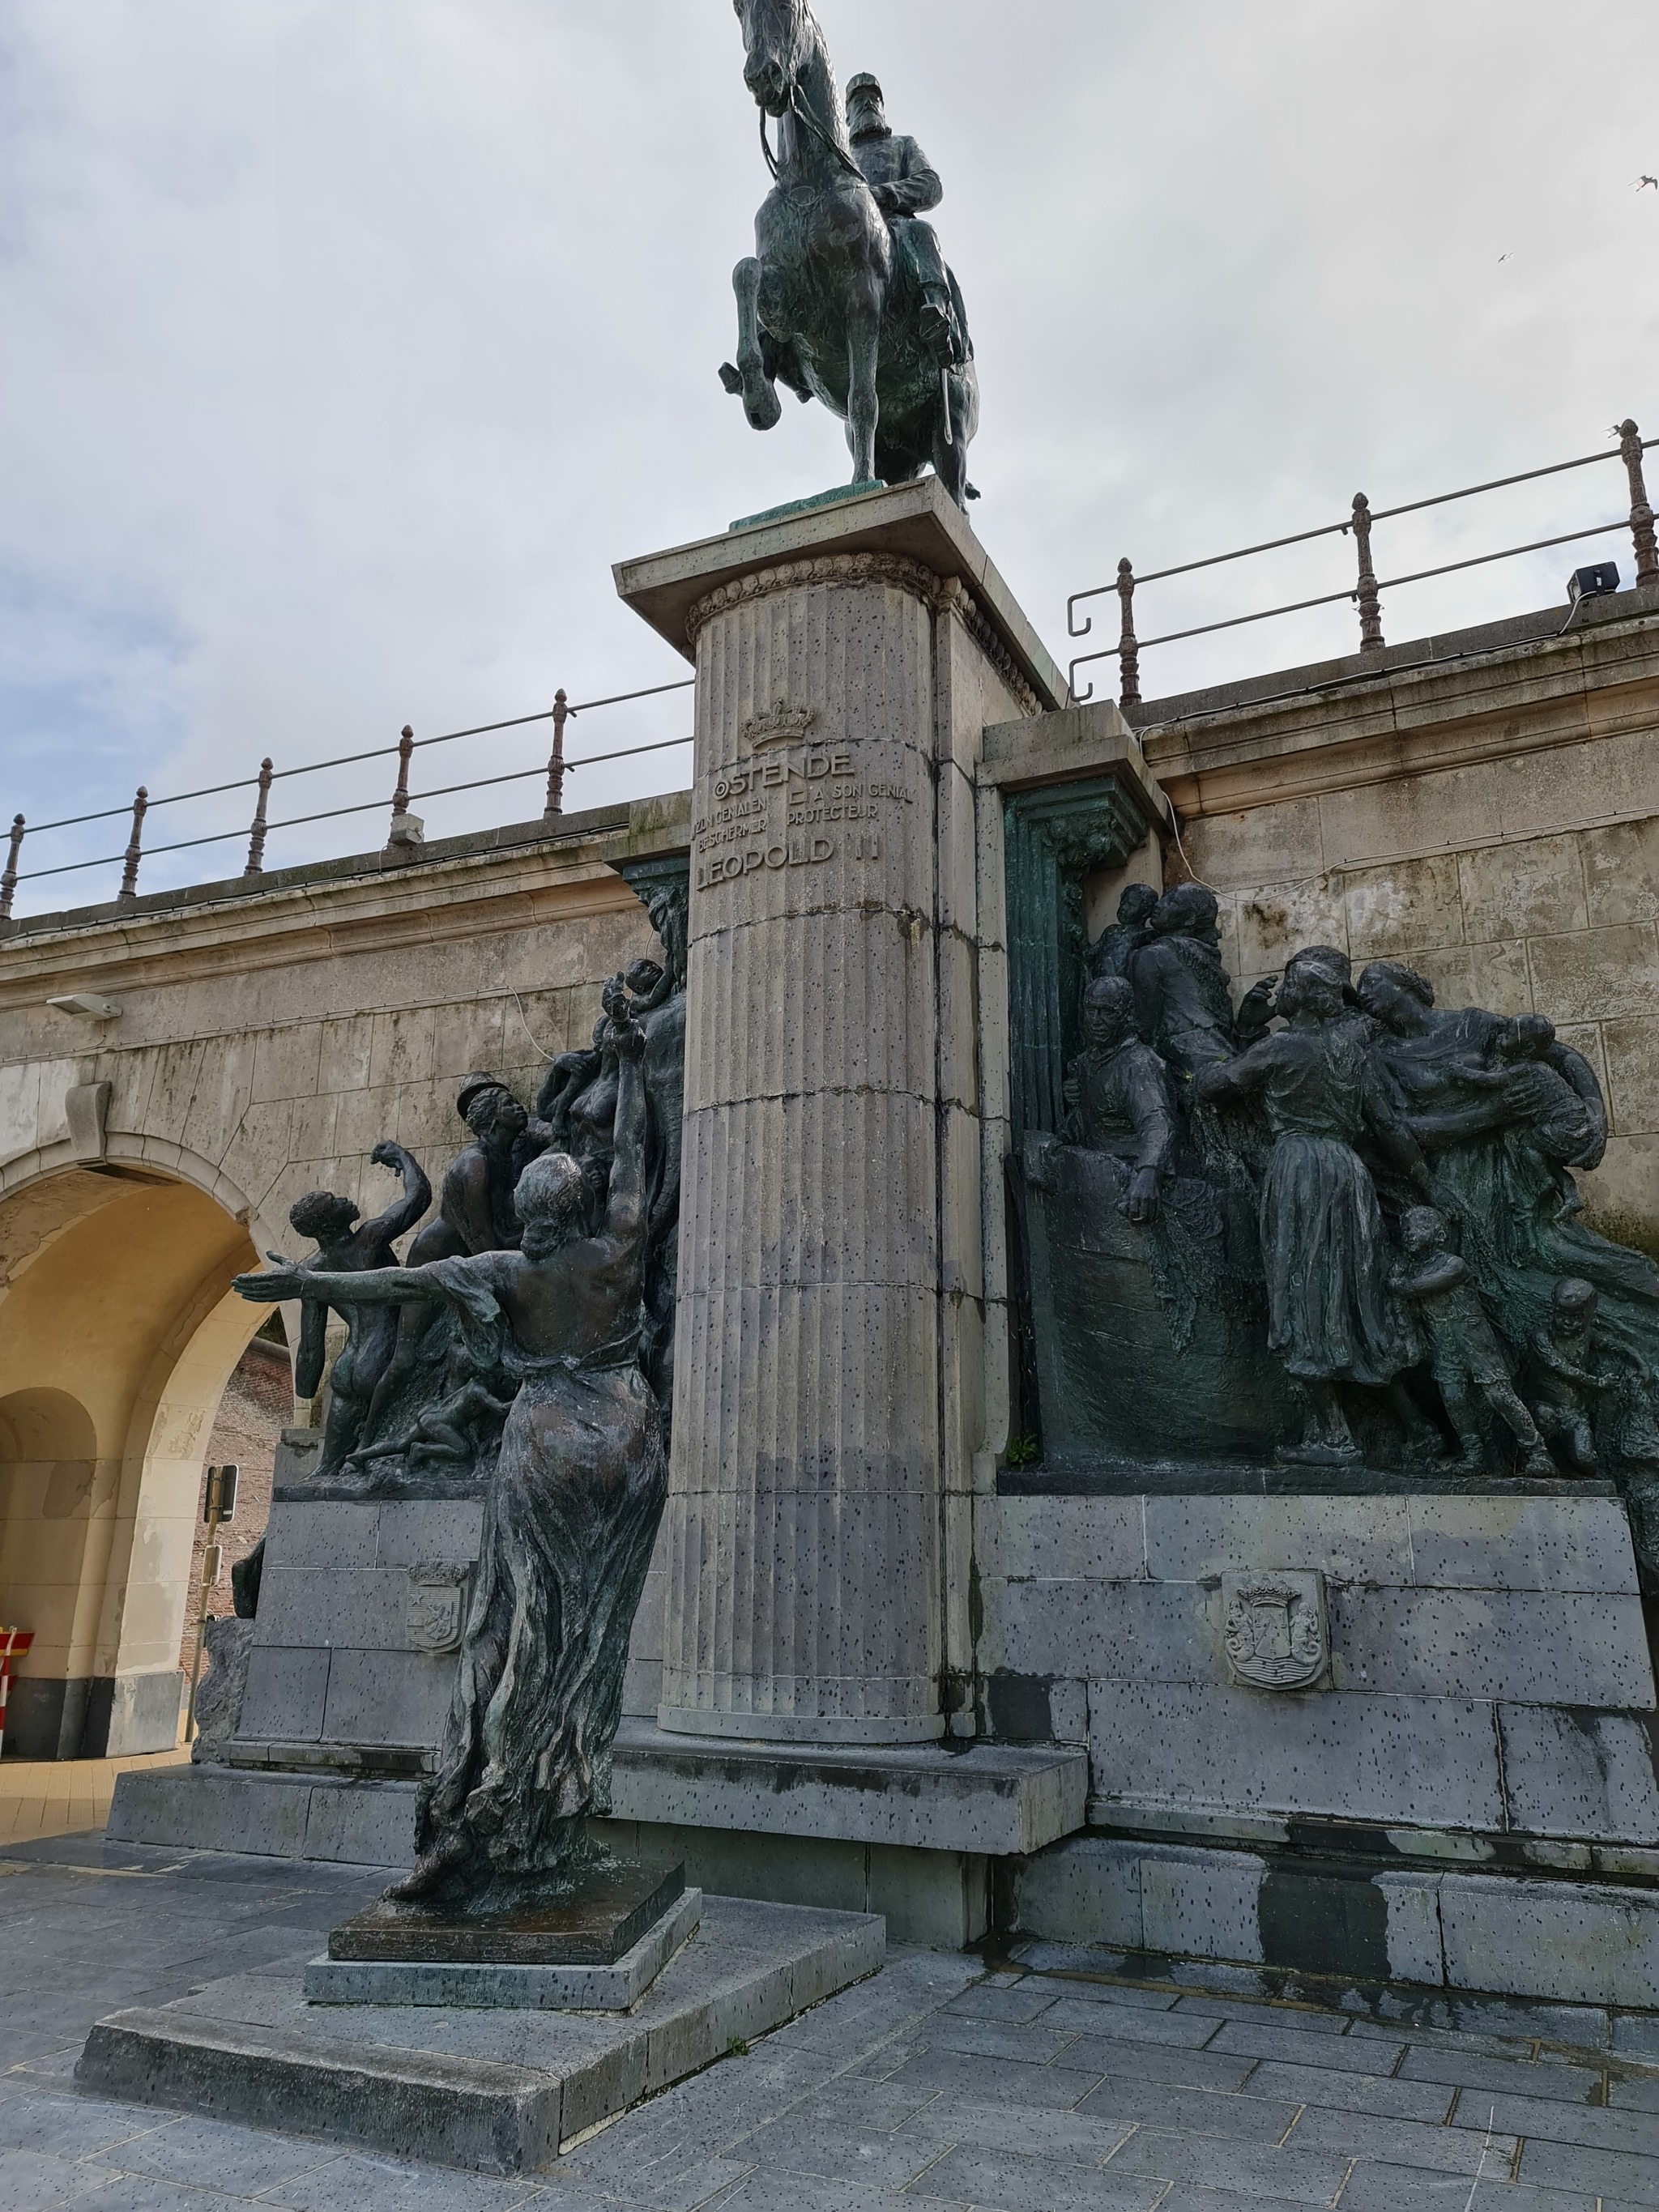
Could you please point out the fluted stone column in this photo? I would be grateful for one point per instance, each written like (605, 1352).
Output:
(804, 1534)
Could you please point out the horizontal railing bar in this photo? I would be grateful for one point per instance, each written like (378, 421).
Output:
(621, 698)
(1331, 530)
(1214, 561)
(109, 813)
(364, 807)
(1497, 483)
(522, 774)
(1234, 622)
(1388, 584)
(487, 729)
(184, 845)
(1480, 559)
(351, 760)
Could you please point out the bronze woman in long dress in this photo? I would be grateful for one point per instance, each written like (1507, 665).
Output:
(569, 1522)
(1333, 1314)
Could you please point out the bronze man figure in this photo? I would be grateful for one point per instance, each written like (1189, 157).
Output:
(346, 1246)
(906, 185)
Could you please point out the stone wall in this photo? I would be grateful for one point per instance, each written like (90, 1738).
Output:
(268, 1035)
(1485, 807)
(1490, 1673)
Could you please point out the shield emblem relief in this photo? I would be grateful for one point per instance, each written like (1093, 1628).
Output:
(1276, 1631)
(437, 1600)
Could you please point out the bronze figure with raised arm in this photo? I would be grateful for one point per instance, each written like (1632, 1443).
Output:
(349, 1247)
(570, 1519)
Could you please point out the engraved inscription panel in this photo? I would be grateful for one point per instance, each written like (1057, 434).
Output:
(798, 806)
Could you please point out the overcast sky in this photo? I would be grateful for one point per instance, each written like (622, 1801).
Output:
(345, 344)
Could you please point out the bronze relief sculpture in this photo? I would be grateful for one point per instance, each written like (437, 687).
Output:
(1333, 1229)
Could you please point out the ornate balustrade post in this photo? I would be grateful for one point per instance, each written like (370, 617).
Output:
(556, 764)
(408, 832)
(1129, 646)
(1641, 513)
(1371, 639)
(9, 881)
(129, 890)
(256, 844)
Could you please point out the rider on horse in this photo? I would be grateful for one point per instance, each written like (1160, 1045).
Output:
(906, 185)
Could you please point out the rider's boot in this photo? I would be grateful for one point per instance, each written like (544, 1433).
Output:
(938, 326)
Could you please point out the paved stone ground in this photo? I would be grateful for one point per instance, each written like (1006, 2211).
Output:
(934, 2084)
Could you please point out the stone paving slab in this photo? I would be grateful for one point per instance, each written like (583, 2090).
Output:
(863, 2104)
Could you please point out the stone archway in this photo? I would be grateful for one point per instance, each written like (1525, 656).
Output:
(118, 1331)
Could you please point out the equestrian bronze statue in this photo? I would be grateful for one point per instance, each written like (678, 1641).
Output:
(846, 298)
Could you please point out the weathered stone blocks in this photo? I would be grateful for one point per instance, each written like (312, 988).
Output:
(1490, 1672)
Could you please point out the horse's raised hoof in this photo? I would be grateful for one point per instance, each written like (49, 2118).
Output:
(760, 403)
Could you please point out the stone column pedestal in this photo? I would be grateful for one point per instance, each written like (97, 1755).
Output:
(848, 659)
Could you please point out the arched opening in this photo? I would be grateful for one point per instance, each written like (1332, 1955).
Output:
(118, 1331)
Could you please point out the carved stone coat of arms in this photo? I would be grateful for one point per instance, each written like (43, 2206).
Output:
(437, 1602)
(1276, 1630)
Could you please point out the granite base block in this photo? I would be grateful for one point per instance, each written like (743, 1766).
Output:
(936, 1899)
(991, 1799)
(602, 1916)
(292, 1815)
(1502, 1935)
(499, 2093)
(499, 1986)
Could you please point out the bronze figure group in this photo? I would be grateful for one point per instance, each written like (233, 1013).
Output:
(521, 1354)
(1380, 1188)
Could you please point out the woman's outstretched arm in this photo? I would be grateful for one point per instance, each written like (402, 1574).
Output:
(376, 1286)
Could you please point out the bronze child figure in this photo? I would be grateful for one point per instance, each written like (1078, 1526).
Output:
(1565, 1381)
(1467, 1359)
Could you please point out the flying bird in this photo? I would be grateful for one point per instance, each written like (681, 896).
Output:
(1503, 258)
(1643, 182)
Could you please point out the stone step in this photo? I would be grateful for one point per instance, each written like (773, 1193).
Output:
(495, 2092)
(997, 1799)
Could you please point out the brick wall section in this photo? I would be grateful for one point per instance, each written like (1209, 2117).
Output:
(258, 1404)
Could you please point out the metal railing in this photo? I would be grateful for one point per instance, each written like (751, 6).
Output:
(1366, 590)
(405, 836)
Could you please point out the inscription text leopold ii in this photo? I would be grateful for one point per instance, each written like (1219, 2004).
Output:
(794, 809)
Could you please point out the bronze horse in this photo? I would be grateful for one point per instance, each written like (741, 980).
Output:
(824, 306)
